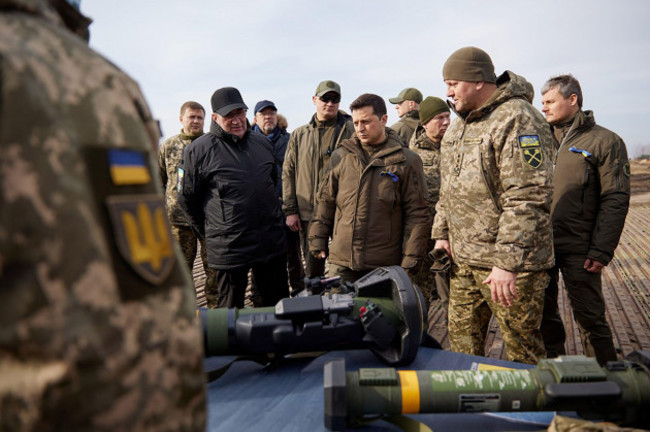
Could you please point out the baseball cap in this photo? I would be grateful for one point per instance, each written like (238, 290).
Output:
(408, 93)
(326, 87)
(225, 100)
(263, 104)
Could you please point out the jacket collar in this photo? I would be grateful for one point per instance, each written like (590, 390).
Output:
(228, 137)
(583, 121)
(509, 86)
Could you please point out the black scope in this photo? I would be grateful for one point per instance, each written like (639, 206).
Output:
(384, 312)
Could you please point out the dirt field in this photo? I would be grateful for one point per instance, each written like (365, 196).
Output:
(640, 176)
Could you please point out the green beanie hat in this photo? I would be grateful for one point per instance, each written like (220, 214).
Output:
(469, 64)
(431, 107)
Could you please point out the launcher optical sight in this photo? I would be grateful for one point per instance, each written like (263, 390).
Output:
(385, 313)
(618, 392)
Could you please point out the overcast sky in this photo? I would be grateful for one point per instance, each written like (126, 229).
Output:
(281, 49)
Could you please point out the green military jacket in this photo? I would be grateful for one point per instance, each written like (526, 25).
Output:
(170, 158)
(496, 186)
(375, 211)
(305, 162)
(98, 327)
(591, 190)
(429, 152)
(406, 126)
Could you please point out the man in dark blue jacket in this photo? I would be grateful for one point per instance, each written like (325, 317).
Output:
(274, 127)
(228, 192)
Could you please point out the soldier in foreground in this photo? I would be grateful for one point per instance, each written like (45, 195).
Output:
(170, 156)
(591, 196)
(434, 121)
(97, 313)
(493, 215)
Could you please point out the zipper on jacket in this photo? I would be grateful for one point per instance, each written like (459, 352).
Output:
(484, 174)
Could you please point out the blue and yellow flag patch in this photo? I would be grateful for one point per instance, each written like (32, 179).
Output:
(531, 150)
(128, 167)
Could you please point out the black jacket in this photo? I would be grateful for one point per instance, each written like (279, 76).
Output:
(228, 193)
(591, 190)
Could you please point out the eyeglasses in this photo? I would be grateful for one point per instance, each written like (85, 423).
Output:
(330, 98)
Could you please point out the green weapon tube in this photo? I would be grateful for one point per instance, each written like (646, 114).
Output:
(386, 313)
(619, 392)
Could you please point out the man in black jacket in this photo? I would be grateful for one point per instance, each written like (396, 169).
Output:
(228, 192)
(591, 196)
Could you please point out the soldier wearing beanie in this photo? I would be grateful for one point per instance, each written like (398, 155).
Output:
(407, 103)
(493, 216)
(434, 119)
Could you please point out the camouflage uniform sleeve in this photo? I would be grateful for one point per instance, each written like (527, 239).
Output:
(322, 224)
(525, 188)
(440, 230)
(162, 165)
(416, 213)
(289, 200)
(614, 175)
(191, 186)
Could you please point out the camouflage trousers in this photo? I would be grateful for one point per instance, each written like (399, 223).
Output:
(471, 306)
(187, 240)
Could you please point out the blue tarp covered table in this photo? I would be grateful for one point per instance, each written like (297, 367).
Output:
(289, 395)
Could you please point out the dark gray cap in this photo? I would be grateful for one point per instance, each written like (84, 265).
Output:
(225, 100)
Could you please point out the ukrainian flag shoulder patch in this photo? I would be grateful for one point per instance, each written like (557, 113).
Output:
(128, 167)
(531, 150)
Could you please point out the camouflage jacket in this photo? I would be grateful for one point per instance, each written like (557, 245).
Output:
(429, 152)
(496, 188)
(591, 190)
(405, 127)
(98, 329)
(170, 158)
(305, 163)
(375, 211)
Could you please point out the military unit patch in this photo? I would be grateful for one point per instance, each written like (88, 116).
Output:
(143, 234)
(531, 150)
(626, 169)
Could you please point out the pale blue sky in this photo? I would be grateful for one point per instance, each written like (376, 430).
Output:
(280, 50)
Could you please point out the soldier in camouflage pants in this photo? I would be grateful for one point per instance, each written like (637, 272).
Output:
(170, 158)
(434, 120)
(493, 217)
